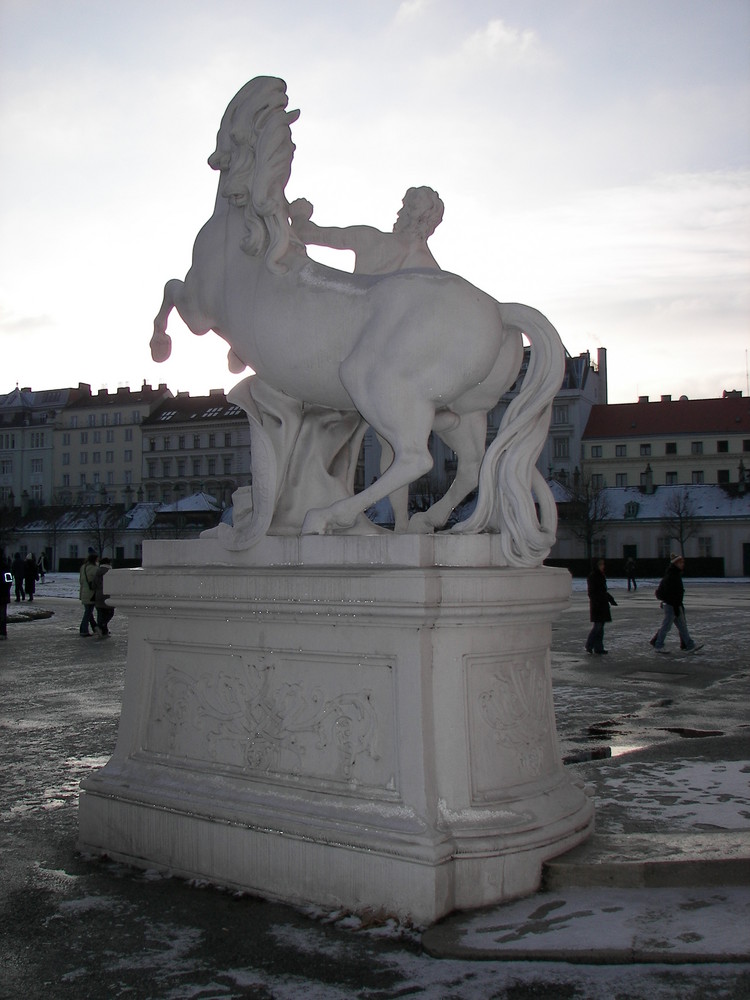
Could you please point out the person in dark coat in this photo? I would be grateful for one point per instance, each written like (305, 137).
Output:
(671, 593)
(600, 600)
(104, 612)
(630, 572)
(30, 575)
(5, 586)
(17, 571)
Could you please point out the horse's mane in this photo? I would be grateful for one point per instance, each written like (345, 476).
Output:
(256, 119)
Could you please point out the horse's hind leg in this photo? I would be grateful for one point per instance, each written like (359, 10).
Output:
(467, 438)
(406, 430)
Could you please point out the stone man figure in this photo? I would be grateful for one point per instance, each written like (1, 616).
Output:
(377, 252)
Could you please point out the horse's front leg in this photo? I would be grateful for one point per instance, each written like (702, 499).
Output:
(161, 342)
(177, 295)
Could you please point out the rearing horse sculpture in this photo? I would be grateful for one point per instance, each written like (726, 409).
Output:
(407, 353)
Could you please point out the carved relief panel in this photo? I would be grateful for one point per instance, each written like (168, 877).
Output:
(308, 719)
(511, 722)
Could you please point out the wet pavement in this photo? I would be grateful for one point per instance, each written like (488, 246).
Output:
(656, 905)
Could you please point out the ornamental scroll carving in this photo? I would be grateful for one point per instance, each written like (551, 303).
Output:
(511, 723)
(252, 716)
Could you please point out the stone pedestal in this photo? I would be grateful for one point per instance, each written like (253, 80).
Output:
(356, 722)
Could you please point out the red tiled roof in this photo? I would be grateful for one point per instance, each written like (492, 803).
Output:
(729, 415)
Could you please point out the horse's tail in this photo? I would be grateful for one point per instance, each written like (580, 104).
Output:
(508, 479)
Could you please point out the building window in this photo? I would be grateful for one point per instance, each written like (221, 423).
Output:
(66, 438)
(645, 449)
(212, 466)
(135, 417)
(631, 509)
(109, 456)
(128, 455)
(166, 465)
(228, 439)
(560, 414)
(117, 419)
(663, 543)
(151, 468)
(97, 438)
(196, 440)
(37, 439)
(697, 477)
(696, 447)
(227, 465)
(152, 444)
(84, 458)
(211, 440)
(181, 441)
(74, 421)
(722, 477)
(92, 420)
(722, 447)
(599, 548)
(84, 437)
(128, 433)
(167, 443)
(6, 466)
(704, 547)
(105, 419)
(96, 457)
(96, 479)
(110, 479)
(82, 479)
(110, 437)
(621, 450)
(621, 479)
(597, 481)
(196, 466)
(66, 479)
(128, 477)
(746, 444)
(36, 465)
(596, 451)
(562, 448)
(66, 458)
(181, 466)
(670, 478)
(670, 448)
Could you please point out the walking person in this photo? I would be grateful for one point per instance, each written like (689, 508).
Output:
(86, 579)
(671, 592)
(30, 575)
(600, 600)
(104, 613)
(6, 582)
(17, 571)
(630, 573)
(41, 565)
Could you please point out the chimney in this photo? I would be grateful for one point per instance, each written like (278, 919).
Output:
(643, 399)
(666, 399)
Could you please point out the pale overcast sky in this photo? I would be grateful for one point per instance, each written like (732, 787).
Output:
(593, 157)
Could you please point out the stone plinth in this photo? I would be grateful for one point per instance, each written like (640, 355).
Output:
(357, 722)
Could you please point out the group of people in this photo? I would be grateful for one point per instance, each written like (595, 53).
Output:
(25, 573)
(97, 614)
(670, 592)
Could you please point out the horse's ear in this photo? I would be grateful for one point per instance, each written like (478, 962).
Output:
(292, 116)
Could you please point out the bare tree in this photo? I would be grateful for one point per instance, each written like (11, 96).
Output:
(681, 517)
(587, 510)
(103, 527)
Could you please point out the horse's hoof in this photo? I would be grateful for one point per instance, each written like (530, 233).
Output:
(161, 347)
(419, 524)
(316, 522)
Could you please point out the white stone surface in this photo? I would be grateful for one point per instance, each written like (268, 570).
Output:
(356, 734)
(411, 351)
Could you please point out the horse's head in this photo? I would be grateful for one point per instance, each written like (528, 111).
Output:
(254, 151)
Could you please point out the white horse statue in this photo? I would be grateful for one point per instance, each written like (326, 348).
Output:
(407, 353)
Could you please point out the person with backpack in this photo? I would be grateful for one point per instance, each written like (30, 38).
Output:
(599, 602)
(671, 592)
